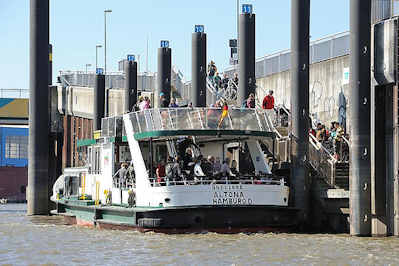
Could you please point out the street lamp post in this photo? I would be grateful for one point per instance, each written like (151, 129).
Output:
(105, 39)
(97, 46)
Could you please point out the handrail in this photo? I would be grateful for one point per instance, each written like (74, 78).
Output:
(159, 119)
(346, 140)
(320, 146)
(225, 181)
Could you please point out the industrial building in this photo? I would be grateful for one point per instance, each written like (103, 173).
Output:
(13, 146)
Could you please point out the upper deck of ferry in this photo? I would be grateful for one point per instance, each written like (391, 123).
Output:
(167, 122)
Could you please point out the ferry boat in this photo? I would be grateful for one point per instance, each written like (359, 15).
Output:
(217, 176)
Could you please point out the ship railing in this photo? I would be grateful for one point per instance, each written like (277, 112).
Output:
(200, 119)
(205, 181)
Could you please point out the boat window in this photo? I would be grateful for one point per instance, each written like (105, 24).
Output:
(95, 160)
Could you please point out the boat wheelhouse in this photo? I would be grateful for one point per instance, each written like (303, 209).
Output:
(184, 169)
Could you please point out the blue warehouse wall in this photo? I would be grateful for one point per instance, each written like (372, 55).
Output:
(10, 131)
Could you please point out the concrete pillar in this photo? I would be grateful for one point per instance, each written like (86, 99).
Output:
(99, 101)
(164, 74)
(37, 193)
(246, 60)
(300, 18)
(130, 86)
(199, 71)
(360, 167)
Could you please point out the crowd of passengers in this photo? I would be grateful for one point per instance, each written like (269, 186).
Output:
(332, 139)
(187, 169)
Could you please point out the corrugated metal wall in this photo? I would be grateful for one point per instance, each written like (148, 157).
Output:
(320, 50)
(381, 9)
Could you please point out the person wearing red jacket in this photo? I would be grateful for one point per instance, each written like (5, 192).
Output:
(268, 105)
(268, 101)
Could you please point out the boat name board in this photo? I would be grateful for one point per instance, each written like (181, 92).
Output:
(230, 195)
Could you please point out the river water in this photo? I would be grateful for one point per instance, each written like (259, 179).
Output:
(47, 240)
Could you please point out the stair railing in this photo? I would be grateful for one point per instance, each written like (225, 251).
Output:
(322, 160)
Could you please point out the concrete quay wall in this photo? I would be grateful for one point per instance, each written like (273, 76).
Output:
(327, 80)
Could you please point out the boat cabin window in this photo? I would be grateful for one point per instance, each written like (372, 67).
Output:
(209, 160)
(93, 160)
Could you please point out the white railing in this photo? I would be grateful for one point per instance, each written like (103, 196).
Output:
(199, 119)
(228, 94)
(204, 181)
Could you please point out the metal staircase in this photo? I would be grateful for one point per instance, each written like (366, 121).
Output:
(334, 173)
(228, 94)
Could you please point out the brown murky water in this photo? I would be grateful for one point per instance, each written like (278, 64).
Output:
(46, 240)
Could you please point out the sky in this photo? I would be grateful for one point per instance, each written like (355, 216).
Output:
(76, 26)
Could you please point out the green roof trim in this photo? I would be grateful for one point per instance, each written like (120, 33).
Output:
(166, 133)
(85, 142)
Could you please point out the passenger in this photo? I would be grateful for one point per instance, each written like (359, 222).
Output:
(198, 172)
(217, 166)
(122, 175)
(225, 81)
(139, 103)
(212, 70)
(268, 105)
(234, 167)
(160, 172)
(207, 166)
(169, 168)
(225, 112)
(235, 79)
(173, 103)
(268, 101)
(333, 131)
(320, 132)
(176, 169)
(251, 101)
(338, 140)
(163, 102)
(142, 103)
(147, 103)
(225, 170)
(218, 81)
(188, 158)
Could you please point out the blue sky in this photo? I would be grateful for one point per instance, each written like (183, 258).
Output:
(78, 25)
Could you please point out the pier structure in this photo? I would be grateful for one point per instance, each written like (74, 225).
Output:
(246, 59)
(300, 20)
(130, 84)
(200, 98)
(99, 100)
(37, 192)
(360, 196)
(164, 73)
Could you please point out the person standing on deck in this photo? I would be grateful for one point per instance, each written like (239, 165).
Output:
(163, 101)
(173, 103)
(225, 112)
(122, 175)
